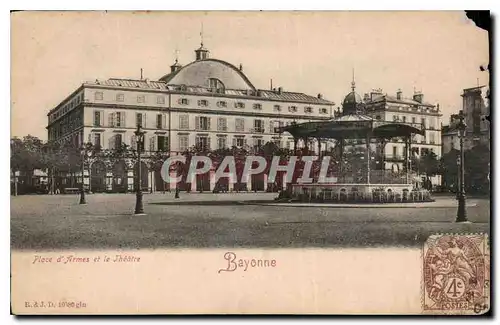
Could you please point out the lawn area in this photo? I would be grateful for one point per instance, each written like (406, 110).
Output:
(45, 222)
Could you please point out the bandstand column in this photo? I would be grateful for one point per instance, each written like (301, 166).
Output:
(295, 145)
(368, 158)
(319, 148)
(407, 155)
(341, 154)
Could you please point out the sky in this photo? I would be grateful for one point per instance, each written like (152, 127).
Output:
(438, 53)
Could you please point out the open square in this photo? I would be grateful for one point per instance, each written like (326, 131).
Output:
(228, 220)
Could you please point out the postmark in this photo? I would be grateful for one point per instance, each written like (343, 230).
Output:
(456, 274)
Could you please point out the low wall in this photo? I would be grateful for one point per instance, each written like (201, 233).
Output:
(358, 192)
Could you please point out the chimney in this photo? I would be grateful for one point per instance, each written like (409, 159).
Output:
(280, 90)
(241, 67)
(320, 96)
(418, 96)
(399, 94)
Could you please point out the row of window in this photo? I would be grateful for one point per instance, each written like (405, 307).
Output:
(397, 152)
(161, 143)
(413, 108)
(117, 119)
(423, 121)
(204, 142)
(141, 99)
(156, 142)
(66, 108)
(203, 123)
(255, 106)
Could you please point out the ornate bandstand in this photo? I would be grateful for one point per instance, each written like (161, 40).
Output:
(366, 179)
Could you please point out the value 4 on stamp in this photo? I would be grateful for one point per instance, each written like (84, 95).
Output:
(456, 274)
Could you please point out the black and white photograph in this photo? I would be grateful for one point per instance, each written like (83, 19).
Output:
(232, 132)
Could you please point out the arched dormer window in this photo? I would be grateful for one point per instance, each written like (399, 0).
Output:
(216, 85)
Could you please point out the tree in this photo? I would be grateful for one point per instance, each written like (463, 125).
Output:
(477, 161)
(448, 168)
(26, 156)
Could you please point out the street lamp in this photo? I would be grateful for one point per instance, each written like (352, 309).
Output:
(85, 151)
(139, 208)
(461, 213)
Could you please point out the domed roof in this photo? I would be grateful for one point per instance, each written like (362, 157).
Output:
(198, 73)
(353, 103)
(352, 98)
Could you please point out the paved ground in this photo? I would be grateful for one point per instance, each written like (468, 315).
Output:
(225, 220)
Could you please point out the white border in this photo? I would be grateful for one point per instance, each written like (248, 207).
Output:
(192, 5)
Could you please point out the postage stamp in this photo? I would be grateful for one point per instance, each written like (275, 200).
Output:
(456, 274)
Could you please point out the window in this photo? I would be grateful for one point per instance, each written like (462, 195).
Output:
(257, 106)
(138, 119)
(221, 124)
(422, 120)
(277, 108)
(159, 121)
(258, 143)
(141, 99)
(432, 123)
(308, 109)
(183, 101)
(203, 102)
(258, 126)
(239, 105)
(183, 142)
(221, 142)
(202, 123)
(239, 141)
(395, 118)
(162, 144)
(394, 151)
(160, 100)
(119, 119)
(184, 122)
(414, 119)
(404, 119)
(292, 109)
(273, 125)
(240, 125)
(203, 142)
(97, 139)
(98, 95)
(120, 97)
(323, 111)
(216, 85)
(222, 103)
(432, 138)
(97, 118)
(118, 141)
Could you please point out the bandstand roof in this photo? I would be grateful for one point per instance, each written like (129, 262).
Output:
(352, 126)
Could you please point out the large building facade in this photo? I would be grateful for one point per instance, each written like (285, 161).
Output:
(207, 103)
(476, 108)
(414, 110)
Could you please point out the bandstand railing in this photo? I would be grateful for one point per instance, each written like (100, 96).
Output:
(376, 177)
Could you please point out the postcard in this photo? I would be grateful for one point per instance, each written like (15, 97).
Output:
(234, 162)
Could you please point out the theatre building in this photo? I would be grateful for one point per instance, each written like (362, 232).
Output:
(207, 103)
